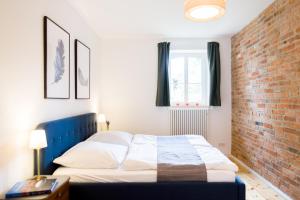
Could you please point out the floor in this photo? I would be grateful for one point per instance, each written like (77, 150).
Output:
(257, 189)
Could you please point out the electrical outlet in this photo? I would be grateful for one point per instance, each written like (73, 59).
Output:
(221, 144)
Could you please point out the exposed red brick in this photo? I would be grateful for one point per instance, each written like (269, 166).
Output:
(266, 95)
(268, 125)
(287, 118)
(289, 130)
(261, 105)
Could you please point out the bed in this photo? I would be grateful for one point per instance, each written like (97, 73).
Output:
(63, 134)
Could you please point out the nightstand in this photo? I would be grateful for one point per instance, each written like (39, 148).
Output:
(61, 191)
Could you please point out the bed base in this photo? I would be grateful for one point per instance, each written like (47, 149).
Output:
(155, 191)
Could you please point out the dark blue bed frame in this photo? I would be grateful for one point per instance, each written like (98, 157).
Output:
(64, 133)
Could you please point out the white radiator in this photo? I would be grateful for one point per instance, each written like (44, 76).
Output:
(188, 121)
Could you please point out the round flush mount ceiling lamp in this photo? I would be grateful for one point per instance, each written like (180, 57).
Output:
(204, 10)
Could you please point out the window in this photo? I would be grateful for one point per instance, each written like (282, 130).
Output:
(189, 78)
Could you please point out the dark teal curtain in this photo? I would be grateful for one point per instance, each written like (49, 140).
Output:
(163, 93)
(215, 73)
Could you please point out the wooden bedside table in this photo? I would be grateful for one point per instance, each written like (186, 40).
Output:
(61, 191)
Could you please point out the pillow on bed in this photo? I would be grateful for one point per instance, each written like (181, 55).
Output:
(113, 137)
(93, 155)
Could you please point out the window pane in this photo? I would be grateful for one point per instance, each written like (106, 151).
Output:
(188, 77)
(177, 69)
(177, 79)
(194, 69)
(177, 93)
(194, 93)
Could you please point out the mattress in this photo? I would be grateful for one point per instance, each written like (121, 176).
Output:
(120, 175)
(140, 164)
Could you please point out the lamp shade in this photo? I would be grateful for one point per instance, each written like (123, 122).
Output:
(204, 10)
(101, 118)
(38, 139)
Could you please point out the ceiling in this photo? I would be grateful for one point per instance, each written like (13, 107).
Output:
(139, 18)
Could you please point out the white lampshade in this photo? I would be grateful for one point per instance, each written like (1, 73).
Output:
(38, 139)
(101, 118)
(204, 10)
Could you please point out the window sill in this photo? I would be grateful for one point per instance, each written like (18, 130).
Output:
(189, 107)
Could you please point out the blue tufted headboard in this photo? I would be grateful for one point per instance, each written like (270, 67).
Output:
(63, 134)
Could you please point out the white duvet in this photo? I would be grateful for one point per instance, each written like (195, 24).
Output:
(142, 154)
(140, 164)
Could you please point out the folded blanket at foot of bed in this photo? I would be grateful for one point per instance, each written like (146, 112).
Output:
(178, 160)
(172, 154)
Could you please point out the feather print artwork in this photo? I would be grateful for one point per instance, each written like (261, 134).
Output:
(83, 81)
(59, 65)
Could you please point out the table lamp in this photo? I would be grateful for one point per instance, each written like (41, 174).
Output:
(38, 141)
(101, 119)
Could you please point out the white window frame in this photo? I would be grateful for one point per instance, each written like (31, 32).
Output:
(186, 54)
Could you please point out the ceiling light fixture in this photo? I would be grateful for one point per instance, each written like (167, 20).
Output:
(204, 10)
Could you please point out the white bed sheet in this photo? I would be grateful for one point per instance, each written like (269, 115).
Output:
(120, 175)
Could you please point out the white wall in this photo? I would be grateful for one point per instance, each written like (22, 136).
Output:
(128, 87)
(22, 105)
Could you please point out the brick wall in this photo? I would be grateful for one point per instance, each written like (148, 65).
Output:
(266, 95)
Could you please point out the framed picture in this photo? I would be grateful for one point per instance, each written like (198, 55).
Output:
(82, 70)
(56, 61)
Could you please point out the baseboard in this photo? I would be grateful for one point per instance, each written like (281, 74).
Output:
(262, 178)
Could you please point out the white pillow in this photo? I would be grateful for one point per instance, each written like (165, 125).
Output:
(93, 155)
(113, 137)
